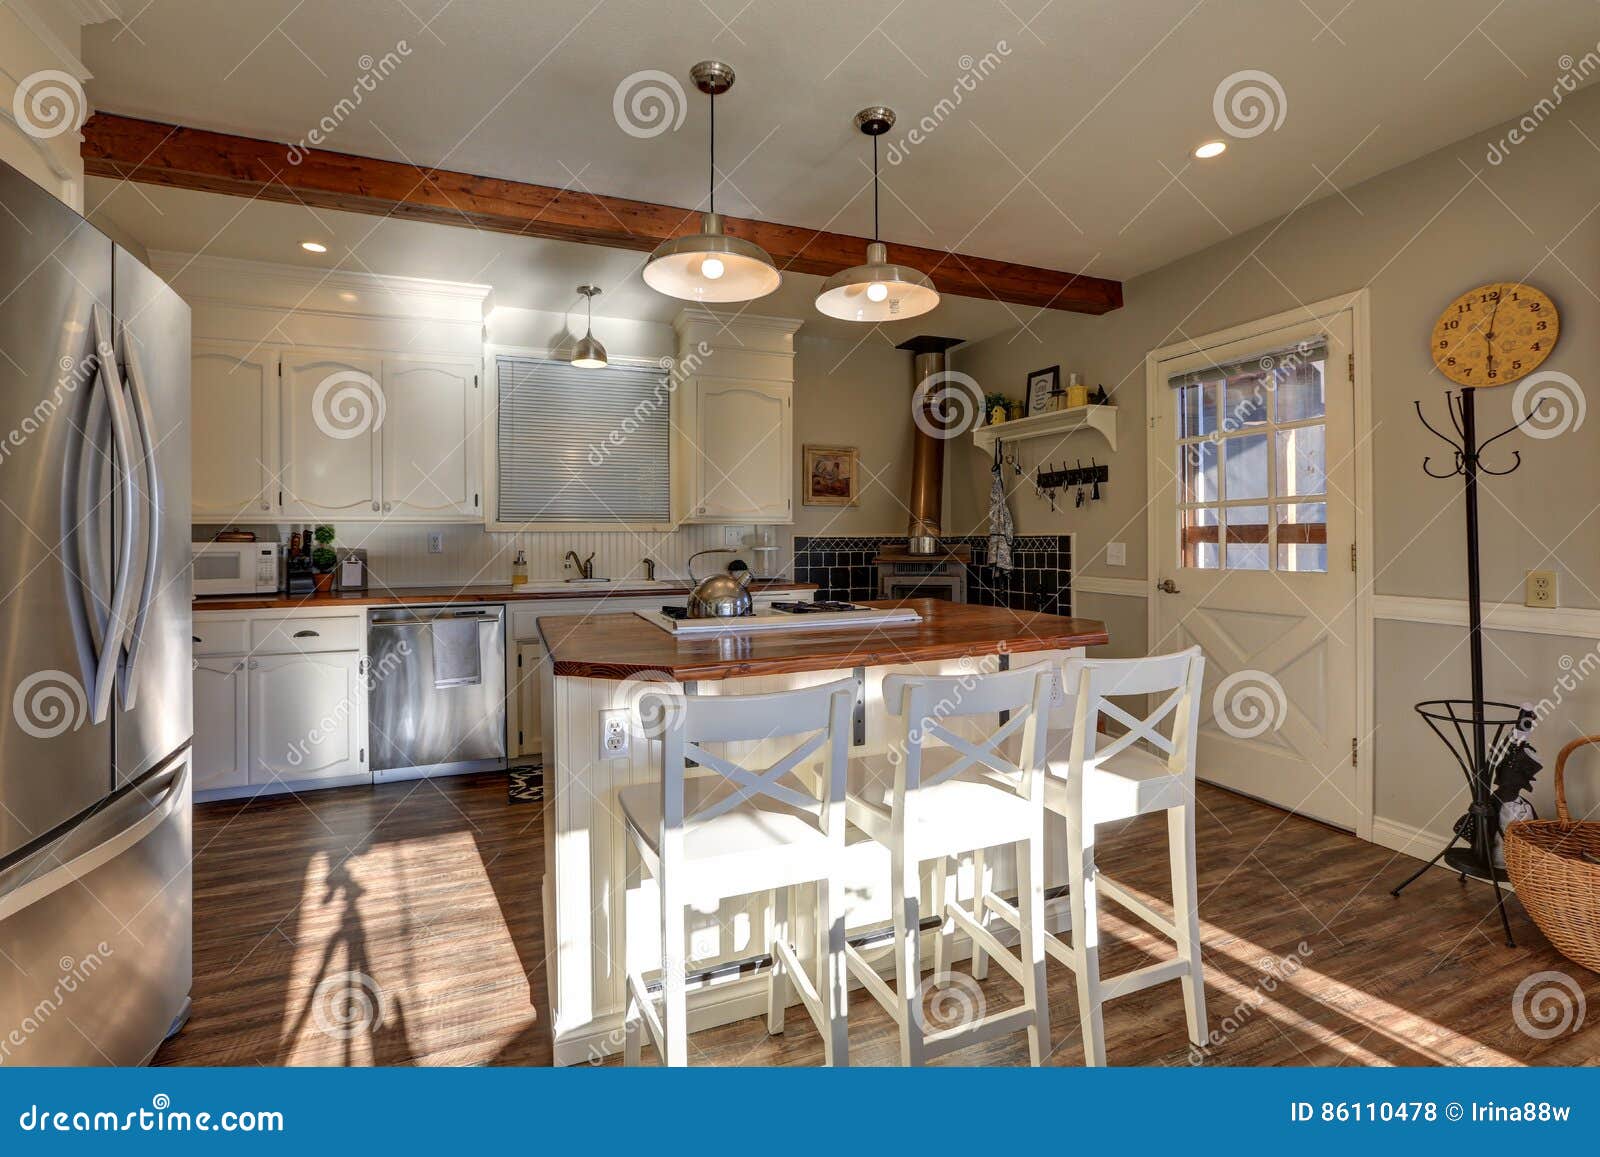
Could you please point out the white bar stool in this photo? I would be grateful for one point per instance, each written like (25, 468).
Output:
(735, 830)
(1124, 778)
(936, 794)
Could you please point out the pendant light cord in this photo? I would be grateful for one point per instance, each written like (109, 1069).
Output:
(713, 173)
(875, 187)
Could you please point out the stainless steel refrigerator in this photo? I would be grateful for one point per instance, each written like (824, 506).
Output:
(96, 706)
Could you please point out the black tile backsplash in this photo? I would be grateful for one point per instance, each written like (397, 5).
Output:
(1040, 578)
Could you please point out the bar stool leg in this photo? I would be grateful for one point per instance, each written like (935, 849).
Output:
(835, 977)
(1030, 946)
(1186, 918)
(939, 877)
(1086, 938)
(777, 979)
(907, 957)
(632, 1024)
(674, 962)
(981, 879)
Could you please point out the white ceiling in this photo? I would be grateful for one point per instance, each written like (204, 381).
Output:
(1072, 153)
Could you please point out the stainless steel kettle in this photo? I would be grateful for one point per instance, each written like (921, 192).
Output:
(725, 595)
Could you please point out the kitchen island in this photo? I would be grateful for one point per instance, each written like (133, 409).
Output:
(605, 663)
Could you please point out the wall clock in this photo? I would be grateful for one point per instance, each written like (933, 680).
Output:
(1495, 334)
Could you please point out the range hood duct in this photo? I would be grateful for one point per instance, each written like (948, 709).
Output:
(927, 459)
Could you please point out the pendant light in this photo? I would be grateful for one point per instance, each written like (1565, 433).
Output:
(878, 290)
(710, 266)
(589, 353)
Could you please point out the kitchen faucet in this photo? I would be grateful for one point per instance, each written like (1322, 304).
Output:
(649, 569)
(584, 567)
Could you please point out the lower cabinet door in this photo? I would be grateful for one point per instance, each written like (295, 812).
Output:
(221, 730)
(307, 717)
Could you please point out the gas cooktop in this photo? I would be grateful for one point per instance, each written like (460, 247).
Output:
(781, 616)
(814, 607)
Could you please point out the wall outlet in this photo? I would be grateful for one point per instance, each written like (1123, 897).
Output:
(733, 536)
(1541, 590)
(1116, 554)
(435, 542)
(614, 733)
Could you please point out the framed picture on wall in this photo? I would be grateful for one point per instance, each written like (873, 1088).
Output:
(1041, 384)
(832, 475)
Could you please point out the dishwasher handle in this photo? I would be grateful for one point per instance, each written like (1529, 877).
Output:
(423, 622)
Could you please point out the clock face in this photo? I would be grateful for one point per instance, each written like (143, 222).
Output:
(1495, 334)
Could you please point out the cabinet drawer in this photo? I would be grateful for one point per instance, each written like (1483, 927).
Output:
(300, 635)
(221, 636)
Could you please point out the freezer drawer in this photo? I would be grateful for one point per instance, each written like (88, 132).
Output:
(422, 718)
(96, 929)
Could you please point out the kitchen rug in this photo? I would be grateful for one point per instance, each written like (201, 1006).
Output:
(527, 783)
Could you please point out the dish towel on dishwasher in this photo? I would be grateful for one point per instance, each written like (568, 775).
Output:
(456, 662)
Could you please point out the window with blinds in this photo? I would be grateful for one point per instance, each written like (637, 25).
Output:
(578, 445)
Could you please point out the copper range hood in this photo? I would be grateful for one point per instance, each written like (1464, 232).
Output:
(924, 530)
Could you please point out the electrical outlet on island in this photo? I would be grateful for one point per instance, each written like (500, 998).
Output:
(614, 733)
(1541, 590)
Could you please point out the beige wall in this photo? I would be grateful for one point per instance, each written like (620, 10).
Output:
(1416, 236)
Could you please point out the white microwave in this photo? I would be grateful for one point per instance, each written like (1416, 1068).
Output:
(235, 568)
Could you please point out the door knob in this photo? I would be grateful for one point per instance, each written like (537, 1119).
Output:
(1167, 587)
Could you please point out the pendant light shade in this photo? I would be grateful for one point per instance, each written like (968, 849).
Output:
(711, 266)
(589, 354)
(878, 290)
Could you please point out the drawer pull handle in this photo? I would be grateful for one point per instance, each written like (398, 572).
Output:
(308, 634)
(197, 638)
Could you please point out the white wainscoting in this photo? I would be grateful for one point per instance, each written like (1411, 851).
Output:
(1569, 622)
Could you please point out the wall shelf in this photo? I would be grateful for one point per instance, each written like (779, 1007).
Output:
(1102, 419)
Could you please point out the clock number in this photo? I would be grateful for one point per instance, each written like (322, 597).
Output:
(1455, 323)
(1493, 295)
(1533, 306)
(1464, 307)
(1515, 366)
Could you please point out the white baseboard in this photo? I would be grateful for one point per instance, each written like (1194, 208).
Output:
(1419, 842)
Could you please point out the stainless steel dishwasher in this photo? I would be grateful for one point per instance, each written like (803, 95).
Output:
(436, 690)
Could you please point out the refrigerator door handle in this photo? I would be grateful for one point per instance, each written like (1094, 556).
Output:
(144, 421)
(99, 839)
(121, 589)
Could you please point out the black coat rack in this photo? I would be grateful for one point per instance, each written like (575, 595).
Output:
(1479, 828)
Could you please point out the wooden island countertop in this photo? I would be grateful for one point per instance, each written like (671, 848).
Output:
(615, 646)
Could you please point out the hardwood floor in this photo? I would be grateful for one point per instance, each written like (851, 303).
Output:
(400, 925)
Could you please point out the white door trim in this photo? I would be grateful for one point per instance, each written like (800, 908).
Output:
(1359, 305)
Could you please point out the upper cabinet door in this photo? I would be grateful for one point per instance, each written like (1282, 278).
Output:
(234, 434)
(744, 451)
(432, 439)
(334, 411)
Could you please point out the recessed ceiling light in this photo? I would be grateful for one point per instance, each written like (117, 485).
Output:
(1211, 149)
(313, 247)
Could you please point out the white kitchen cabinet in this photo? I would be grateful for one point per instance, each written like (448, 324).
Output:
(743, 451)
(528, 676)
(431, 439)
(221, 726)
(308, 718)
(332, 412)
(234, 418)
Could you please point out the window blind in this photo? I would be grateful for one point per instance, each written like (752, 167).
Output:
(1290, 364)
(577, 445)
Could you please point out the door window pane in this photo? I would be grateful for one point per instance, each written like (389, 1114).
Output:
(1303, 537)
(1201, 546)
(1245, 460)
(1197, 410)
(1244, 402)
(1246, 538)
(1197, 466)
(1299, 391)
(1302, 463)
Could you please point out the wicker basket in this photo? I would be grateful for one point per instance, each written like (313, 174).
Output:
(1556, 884)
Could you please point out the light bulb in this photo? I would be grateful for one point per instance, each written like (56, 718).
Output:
(877, 291)
(711, 268)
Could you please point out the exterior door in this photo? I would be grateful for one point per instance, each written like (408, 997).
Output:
(432, 438)
(153, 686)
(333, 410)
(234, 449)
(1254, 534)
(55, 516)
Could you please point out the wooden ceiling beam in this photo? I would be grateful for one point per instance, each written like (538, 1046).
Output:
(161, 154)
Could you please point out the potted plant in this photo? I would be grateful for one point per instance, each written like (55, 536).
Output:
(323, 558)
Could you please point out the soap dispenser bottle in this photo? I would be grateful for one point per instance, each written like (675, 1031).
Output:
(519, 569)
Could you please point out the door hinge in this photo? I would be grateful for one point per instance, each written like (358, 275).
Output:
(1355, 748)
(474, 381)
(474, 500)
(280, 497)
(519, 659)
(1350, 366)
(363, 755)
(1352, 556)
(519, 740)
